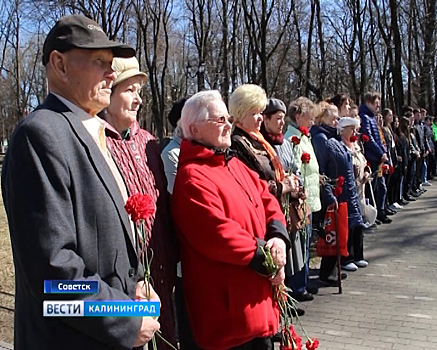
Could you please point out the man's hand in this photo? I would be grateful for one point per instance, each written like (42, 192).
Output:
(148, 328)
(145, 291)
(278, 249)
(279, 278)
(384, 158)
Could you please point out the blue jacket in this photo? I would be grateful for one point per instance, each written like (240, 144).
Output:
(335, 160)
(374, 149)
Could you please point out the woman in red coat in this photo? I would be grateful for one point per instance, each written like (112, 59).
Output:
(224, 214)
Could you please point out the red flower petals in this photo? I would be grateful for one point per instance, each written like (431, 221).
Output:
(353, 138)
(312, 344)
(340, 181)
(365, 138)
(338, 191)
(295, 140)
(304, 131)
(140, 207)
(305, 158)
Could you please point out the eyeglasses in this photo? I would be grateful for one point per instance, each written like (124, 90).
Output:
(222, 120)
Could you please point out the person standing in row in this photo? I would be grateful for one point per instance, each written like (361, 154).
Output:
(137, 155)
(301, 114)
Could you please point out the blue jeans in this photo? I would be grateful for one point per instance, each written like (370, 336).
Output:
(424, 171)
(299, 281)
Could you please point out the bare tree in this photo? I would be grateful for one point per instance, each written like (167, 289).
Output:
(153, 21)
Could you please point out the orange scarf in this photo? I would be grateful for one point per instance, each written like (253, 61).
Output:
(271, 153)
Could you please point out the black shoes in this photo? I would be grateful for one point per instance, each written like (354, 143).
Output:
(390, 212)
(305, 296)
(384, 219)
(333, 282)
(416, 193)
(409, 198)
(312, 290)
(300, 312)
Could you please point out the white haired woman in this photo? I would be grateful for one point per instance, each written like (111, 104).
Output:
(224, 214)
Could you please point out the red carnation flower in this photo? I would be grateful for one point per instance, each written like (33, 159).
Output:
(385, 168)
(353, 138)
(304, 131)
(295, 140)
(391, 170)
(340, 181)
(365, 138)
(140, 207)
(338, 191)
(305, 158)
(312, 344)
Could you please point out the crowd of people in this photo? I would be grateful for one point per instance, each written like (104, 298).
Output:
(234, 182)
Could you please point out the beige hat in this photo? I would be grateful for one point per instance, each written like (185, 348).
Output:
(126, 68)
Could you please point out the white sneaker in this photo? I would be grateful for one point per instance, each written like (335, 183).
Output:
(361, 263)
(398, 206)
(426, 183)
(350, 267)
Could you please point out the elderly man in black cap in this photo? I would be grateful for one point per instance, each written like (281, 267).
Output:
(65, 198)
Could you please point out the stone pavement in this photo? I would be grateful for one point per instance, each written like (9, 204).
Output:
(391, 304)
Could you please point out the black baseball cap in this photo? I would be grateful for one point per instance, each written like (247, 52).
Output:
(80, 32)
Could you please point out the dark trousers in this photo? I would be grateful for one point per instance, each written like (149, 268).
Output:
(354, 246)
(418, 174)
(186, 341)
(256, 344)
(380, 190)
(431, 165)
(409, 181)
(393, 187)
(327, 266)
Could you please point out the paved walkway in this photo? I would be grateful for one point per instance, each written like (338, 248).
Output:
(391, 304)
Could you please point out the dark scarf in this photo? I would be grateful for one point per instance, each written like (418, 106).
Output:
(270, 138)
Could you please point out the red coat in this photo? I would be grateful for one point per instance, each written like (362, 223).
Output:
(222, 210)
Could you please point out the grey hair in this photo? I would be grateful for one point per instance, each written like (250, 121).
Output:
(196, 110)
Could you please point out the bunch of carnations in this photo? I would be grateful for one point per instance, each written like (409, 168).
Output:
(290, 340)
